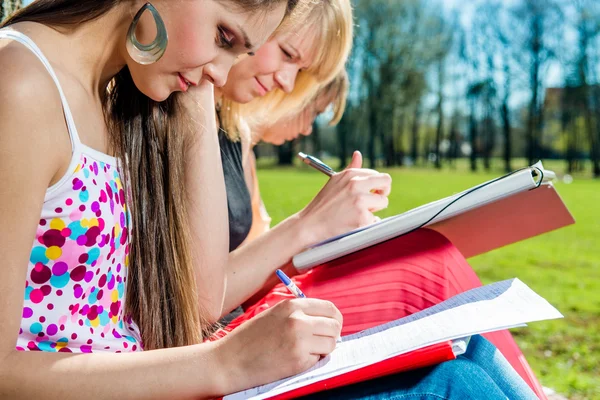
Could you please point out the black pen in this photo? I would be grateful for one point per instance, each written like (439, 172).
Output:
(316, 164)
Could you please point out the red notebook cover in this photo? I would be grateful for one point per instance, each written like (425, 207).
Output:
(420, 358)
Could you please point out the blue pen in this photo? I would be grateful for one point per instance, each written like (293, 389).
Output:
(295, 290)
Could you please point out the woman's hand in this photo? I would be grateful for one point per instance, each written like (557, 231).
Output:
(200, 100)
(283, 341)
(347, 201)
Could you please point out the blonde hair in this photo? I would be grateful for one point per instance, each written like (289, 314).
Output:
(337, 91)
(332, 24)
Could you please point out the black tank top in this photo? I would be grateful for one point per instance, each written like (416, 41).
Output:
(239, 203)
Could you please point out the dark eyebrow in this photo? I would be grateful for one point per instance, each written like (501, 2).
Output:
(247, 43)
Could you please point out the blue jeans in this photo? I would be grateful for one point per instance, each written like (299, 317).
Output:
(481, 373)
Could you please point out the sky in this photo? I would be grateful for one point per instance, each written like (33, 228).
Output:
(466, 8)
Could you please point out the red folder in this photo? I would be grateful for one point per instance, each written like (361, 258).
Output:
(425, 357)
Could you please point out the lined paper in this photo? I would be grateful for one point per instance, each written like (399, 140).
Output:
(489, 308)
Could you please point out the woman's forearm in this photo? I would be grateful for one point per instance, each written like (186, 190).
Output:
(252, 265)
(178, 373)
(207, 205)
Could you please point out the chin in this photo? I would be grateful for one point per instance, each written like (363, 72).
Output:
(244, 98)
(272, 141)
(239, 94)
(154, 93)
(158, 95)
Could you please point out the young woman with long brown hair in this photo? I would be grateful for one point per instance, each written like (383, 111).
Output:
(96, 209)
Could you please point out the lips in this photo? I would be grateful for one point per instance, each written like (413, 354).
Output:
(262, 89)
(185, 83)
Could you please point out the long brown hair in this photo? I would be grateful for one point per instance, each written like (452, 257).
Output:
(149, 137)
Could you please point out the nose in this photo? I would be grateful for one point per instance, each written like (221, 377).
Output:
(307, 130)
(286, 78)
(217, 76)
(216, 72)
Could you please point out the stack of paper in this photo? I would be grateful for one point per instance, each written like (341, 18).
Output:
(489, 308)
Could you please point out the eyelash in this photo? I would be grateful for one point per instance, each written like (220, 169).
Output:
(223, 40)
(287, 54)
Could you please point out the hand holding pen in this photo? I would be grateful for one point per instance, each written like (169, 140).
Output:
(295, 290)
(346, 202)
(319, 165)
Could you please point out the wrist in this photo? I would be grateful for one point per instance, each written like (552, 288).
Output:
(229, 376)
(199, 369)
(306, 231)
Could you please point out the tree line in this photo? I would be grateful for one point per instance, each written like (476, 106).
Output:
(431, 85)
(428, 85)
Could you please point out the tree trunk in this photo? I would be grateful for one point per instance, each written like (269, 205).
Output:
(505, 115)
(440, 110)
(490, 138)
(315, 138)
(473, 136)
(590, 100)
(285, 153)
(372, 136)
(539, 142)
(533, 120)
(438, 139)
(342, 135)
(596, 164)
(506, 129)
(453, 150)
(388, 142)
(531, 125)
(594, 145)
(399, 140)
(414, 145)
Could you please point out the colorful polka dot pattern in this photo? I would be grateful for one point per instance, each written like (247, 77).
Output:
(77, 274)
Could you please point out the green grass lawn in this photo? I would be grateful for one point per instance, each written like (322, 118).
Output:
(562, 266)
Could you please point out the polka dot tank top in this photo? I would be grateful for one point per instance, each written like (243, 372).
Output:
(77, 272)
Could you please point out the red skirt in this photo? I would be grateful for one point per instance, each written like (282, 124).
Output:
(390, 281)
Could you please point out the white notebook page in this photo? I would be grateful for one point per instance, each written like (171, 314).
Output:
(489, 308)
(391, 227)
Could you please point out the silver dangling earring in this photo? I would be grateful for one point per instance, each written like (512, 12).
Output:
(147, 53)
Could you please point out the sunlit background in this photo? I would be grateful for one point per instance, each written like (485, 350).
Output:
(447, 94)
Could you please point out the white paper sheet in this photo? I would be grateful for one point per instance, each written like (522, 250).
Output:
(489, 308)
(391, 227)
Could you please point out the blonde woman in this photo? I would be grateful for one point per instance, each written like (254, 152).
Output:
(287, 129)
(312, 52)
(268, 98)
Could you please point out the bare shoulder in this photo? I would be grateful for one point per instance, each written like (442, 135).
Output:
(30, 107)
(24, 78)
